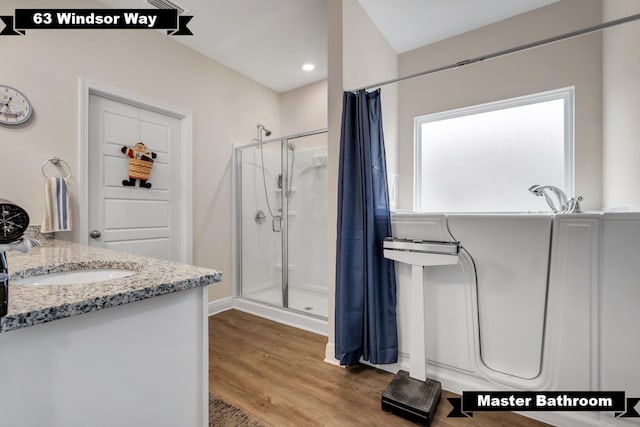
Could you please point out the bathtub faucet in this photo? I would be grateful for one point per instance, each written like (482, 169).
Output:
(561, 204)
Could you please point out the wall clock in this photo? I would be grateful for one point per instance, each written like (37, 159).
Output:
(15, 108)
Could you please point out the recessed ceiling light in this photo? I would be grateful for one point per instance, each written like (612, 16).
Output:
(308, 67)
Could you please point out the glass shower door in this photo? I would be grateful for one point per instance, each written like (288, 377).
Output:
(281, 212)
(260, 223)
(307, 225)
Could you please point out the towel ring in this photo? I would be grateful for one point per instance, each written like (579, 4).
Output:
(57, 162)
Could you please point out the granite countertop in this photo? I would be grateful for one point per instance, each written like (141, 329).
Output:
(32, 304)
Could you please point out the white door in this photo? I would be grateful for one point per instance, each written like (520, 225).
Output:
(134, 219)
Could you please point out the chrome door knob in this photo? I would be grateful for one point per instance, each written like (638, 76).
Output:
(95, 234)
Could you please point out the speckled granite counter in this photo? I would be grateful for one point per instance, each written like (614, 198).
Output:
(31, 305)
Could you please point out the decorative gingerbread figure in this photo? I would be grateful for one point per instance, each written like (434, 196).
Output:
(140, 164)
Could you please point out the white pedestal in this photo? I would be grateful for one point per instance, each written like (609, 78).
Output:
(418, 260)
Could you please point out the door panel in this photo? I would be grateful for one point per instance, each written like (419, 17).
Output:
(119, 129)
(116, 169)
(134, 219)
(136, 214)
(157, 132)
(156, 248)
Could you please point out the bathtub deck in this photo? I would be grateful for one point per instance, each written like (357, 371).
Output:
(277, 374)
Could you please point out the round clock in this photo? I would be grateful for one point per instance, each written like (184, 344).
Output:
(13, 222)
(15, 108)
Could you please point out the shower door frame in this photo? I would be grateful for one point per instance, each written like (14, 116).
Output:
(284, 206)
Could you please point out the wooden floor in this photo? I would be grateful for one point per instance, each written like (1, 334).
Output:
(277, 374)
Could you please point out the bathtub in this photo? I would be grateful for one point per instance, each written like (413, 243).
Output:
(537, 302)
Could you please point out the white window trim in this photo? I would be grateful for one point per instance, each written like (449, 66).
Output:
(567, 94)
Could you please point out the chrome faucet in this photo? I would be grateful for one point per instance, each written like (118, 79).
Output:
(23, 244)
(543, 190)
(561, 204)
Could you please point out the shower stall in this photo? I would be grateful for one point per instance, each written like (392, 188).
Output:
(281, 222)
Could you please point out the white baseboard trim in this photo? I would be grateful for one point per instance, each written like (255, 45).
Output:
(280, 315)
(277, 314)
(403, 363)
(218, 306)
(330, 355)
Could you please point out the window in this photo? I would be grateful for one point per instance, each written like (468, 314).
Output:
(484, 158)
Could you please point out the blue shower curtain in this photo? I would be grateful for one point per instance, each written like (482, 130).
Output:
(365, 311)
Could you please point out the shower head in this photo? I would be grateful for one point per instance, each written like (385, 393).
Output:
(261, 129)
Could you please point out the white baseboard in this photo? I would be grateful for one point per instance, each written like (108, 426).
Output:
(403, 363)
(277, 314)
(218, 306)
(330, 354)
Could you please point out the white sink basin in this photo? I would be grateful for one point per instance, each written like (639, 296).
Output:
(75, 277)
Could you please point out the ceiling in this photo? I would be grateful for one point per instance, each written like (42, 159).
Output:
(409, 24)
(269, 40)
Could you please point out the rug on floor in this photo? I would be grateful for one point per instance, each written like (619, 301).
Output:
(221, 414)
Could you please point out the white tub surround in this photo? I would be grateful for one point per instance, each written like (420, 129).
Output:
(618, 298)
(131, 351)
(552, 308)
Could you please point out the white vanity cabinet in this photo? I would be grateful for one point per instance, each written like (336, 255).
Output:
(138, 364)
(129, 351)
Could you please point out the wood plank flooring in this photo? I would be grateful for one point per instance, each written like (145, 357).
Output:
(277, 374)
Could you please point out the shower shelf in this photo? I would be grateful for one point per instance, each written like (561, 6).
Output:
(278, 266)
(293, 190)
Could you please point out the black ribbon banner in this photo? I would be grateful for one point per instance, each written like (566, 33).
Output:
(87, 19)
(614, 401)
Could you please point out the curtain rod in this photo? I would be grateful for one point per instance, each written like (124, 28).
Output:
(507, 51)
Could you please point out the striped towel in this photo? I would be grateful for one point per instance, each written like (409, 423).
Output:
(57, 214)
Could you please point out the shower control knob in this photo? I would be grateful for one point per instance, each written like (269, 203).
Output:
(95, 234)
(260, 217)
